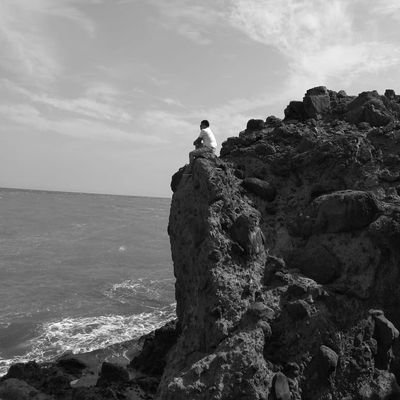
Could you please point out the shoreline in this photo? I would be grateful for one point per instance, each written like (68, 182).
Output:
(83, 374)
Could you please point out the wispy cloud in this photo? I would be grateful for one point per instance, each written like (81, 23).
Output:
(25, 115)
(27, 47)
(88, 107)
(25, 50)
(292, 25)
(172, 102)
(96, 115)
(387, 7)
(100, 101)
(319, 39)
(193, 21)
(66, 9)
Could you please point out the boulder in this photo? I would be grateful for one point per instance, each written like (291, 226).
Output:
(317, 91)
(344, 211)
(295, 111)
(368, 107)
(255, 125)
(327, 361)
(376, 114)
(260, 188)
(280, 388)
(385, 334)
(273, 121)
(317, 102)
(390, 94)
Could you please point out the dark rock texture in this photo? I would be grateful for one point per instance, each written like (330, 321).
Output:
(368, 107)
(78, 377)
(260, 187)
(286, 254)
(255, 125)
(152, 358)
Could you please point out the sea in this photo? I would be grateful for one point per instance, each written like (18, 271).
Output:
(79, 272)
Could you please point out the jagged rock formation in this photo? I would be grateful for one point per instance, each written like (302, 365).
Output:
(286, 254)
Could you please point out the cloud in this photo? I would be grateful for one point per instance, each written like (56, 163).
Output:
(27, 46)
(29, 117)
(85, 106)
(196, 22)
(387, 7)
(172, 102)
(319, 39)
(66, 9)
(100, 101)
(292, 25)
(24, 49)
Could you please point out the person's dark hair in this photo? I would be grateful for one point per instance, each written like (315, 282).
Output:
(205, 122)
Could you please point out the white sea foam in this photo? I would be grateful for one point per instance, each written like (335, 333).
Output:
(86, 334)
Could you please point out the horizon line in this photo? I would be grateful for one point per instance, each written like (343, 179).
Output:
(80, 192)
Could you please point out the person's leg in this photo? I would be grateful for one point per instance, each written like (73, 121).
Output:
(196, 153)
(192, 156)
(204, 150)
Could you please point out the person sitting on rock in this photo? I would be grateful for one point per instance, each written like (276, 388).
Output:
(205, 143)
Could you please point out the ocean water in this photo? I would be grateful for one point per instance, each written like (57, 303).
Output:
(80, 271)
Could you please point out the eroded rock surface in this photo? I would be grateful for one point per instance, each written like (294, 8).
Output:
(286, 254)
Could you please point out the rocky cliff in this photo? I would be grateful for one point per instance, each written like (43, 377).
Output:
(286, 253)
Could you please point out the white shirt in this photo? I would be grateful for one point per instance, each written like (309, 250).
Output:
(208, 138)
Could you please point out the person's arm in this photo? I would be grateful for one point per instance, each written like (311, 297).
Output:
(197, 142)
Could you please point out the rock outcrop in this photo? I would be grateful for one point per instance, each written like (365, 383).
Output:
(286, 254)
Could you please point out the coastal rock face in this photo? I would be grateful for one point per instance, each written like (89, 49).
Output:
(213, 226)
(286, 255)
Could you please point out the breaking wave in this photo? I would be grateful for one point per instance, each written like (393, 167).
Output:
(89, 333)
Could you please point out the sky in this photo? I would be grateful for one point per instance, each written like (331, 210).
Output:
(106, 96)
